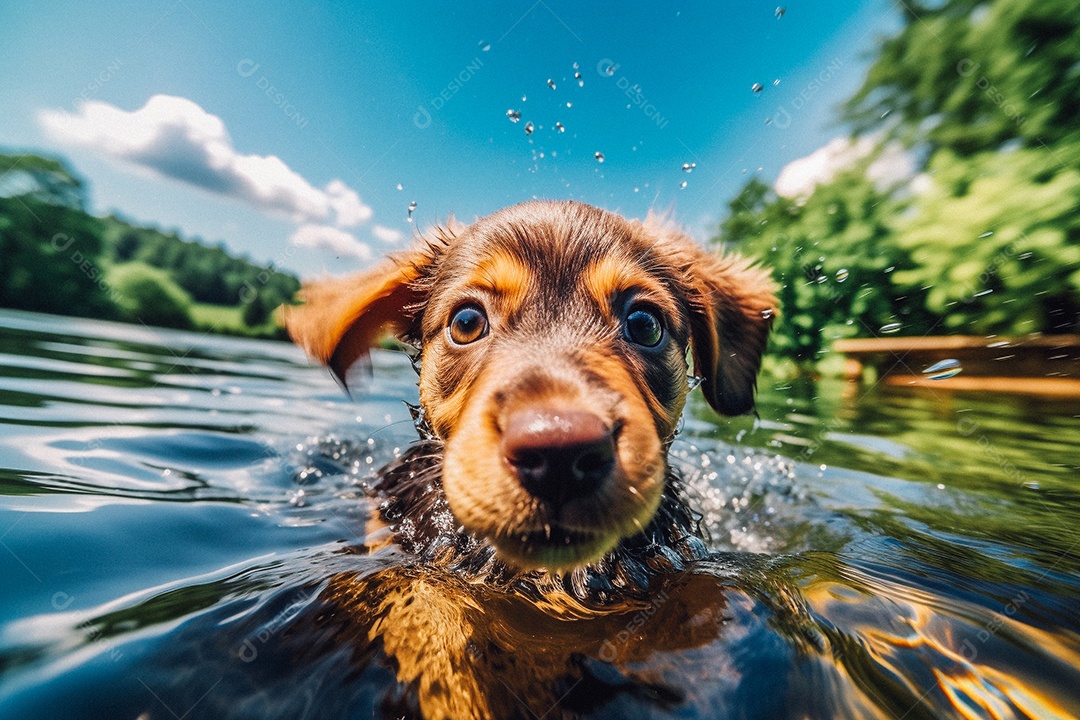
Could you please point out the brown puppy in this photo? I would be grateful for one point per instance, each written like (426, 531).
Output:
(553, 339)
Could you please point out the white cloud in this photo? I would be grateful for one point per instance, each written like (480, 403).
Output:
(387, 235)
(891, 165)
(176, 138)
(346, 203)
(330, 239)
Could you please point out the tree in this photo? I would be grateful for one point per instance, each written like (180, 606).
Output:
(148, 295)
(987, 239)
(970, 75)
(831, 256)
(996, 239)
(44, 180)
(50, 259)
(256, 311)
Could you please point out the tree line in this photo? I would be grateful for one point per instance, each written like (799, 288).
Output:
(56, 257)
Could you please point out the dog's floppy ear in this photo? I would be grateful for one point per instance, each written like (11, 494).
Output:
(341, 318)
(732, 306)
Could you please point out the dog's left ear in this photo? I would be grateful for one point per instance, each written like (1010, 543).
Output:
(342, 318)
(732, 305)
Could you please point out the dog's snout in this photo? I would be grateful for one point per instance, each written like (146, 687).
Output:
(558, 455)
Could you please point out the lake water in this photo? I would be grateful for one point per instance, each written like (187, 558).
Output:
(182, 535)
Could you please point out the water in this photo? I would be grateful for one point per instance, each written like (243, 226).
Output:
(876, 553)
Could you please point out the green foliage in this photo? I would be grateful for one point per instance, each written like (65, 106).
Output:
(148, 295)
(970, 75)
(831, 258)
(54, 257)
(989, 92)
(208, 273)
(49, 259)
(996, 239)
(41, 179)
(256, 311)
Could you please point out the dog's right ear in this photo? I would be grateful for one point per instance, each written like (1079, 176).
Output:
(342, 318)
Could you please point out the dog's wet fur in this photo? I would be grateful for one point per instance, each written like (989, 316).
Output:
(551, 342)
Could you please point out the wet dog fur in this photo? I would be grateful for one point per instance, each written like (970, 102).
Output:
(551, 341)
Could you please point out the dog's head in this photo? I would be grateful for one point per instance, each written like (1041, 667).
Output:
(553, 340)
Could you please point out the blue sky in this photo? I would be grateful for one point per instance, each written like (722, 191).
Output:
(285, 130)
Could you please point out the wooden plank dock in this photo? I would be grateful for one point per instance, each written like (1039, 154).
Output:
(1044, 365)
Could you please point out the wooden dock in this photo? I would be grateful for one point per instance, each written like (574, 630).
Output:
(1044, 365)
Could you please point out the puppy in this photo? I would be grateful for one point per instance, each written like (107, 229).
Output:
(552, 342)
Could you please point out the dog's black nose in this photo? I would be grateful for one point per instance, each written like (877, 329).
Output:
(558, 455)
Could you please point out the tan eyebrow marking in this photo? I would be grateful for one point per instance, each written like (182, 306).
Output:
(503, 276)
(611, 275)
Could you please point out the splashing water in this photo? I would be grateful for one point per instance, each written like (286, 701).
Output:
(943, 370)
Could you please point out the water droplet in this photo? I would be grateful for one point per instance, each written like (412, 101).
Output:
(890, 268)
(943, 370)
(484, 46)
(841, 275)
(551, 83)
(688, 167)
(569, 105)
(637, 189)
(890, 328)
(756, 88)
(776, 82)
(522, 98)
(412, 208)
(682, 184)
(559, 127)
(767, 313)
(599, 156)
(514, 115)
(609, 69)
(399, 186)
(987, 234)
(768, 121)
(529, 128)
(576, 66)
(779, 13)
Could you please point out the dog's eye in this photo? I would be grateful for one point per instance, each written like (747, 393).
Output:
(644, 328)
(467, 324)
